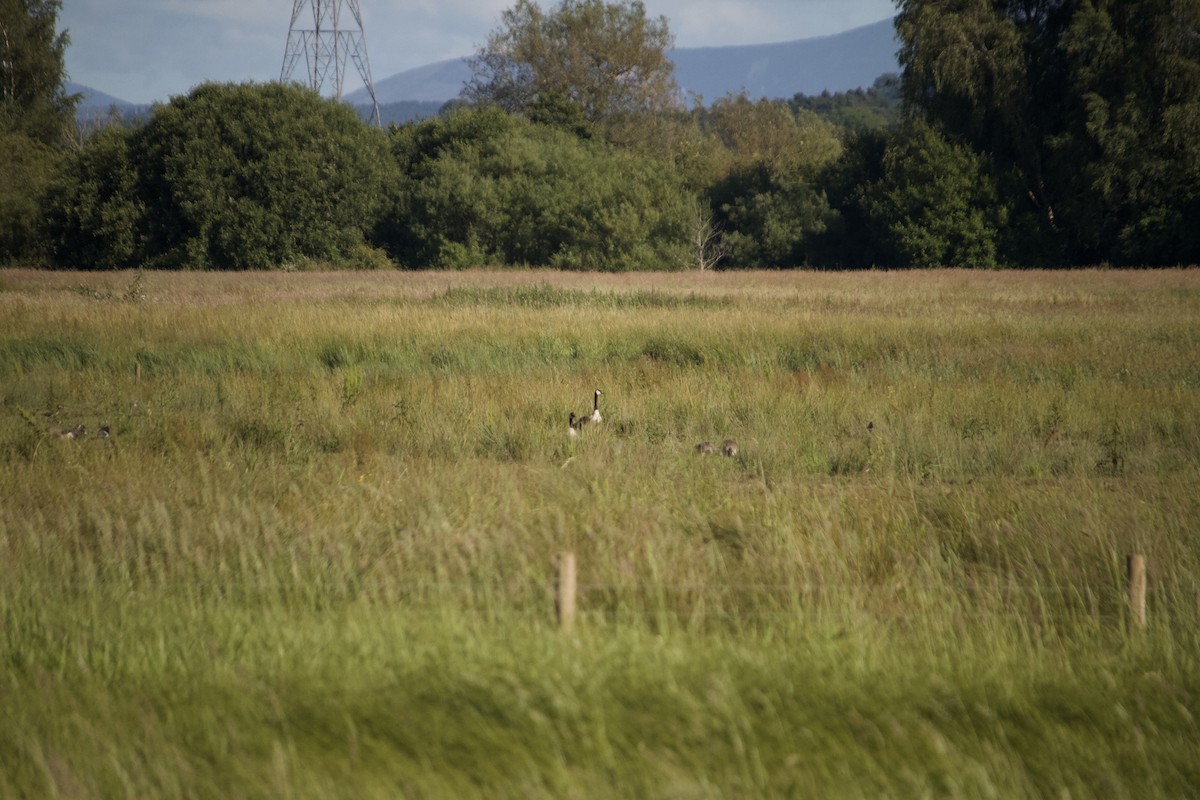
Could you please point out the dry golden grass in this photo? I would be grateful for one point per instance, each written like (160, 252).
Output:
(998, 290)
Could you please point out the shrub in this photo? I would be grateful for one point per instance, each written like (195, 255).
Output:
(482, 187)
(230, 176)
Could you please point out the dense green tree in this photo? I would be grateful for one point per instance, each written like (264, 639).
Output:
(26, 168)
(990, 75)
(854, 237)
(33, 101)
(1135, 74)
(607, 58)
(1091, 105)
(767, 203)
(483, 187)
(92, 217)
(769, 217)
(770, 132)
(254, 176)
(857, 109)
(907, 197)
(36, 118)
(935, 203)
(229, 176)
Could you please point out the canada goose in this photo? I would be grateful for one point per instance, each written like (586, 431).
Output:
(103, 432)
(596, 406)
(729, 447)
(574, 424)
(705, 448)
(870, 427)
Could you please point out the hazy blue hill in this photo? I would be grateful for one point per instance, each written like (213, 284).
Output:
(94, 98)
(432, 83)
(836, 63)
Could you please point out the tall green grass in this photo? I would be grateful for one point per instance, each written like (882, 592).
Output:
(315, 555)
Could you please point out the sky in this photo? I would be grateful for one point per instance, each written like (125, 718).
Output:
(144, 51)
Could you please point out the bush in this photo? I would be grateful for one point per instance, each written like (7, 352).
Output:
(25, 170)
(92, 216)
(482, 187)
(231, 176)
(767, 202)
(910, 198)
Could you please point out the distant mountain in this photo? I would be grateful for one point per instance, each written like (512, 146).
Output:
(837, 63)
(94, 98)
(432, 83)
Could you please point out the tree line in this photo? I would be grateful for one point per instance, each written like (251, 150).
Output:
(1019, 133)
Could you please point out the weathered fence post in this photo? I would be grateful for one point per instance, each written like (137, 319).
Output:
(564, 591)
(1136, 565)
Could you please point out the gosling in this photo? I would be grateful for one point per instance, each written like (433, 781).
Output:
(78, 432)
(729, 448)
(705, 448)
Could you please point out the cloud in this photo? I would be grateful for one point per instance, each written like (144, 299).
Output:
(225, 12)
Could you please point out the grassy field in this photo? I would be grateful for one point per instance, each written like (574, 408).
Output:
(315, 554)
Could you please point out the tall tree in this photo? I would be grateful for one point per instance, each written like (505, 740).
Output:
(32, 99)
(766, 201)
(26, 168)
(770, 132)
(1093, 104)
(90, 215)
(990, 73)
(935, 203)
(1135, 71)
(35, 118)
(906, 197)
(609, 59)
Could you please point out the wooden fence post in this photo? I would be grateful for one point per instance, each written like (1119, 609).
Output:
(564, 591)
(1136, 567)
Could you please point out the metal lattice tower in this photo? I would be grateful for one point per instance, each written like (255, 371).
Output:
(325, 46)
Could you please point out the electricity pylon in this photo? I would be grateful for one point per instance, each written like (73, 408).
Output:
(325, 47)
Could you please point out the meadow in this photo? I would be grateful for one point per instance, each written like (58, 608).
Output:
(315, 554)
